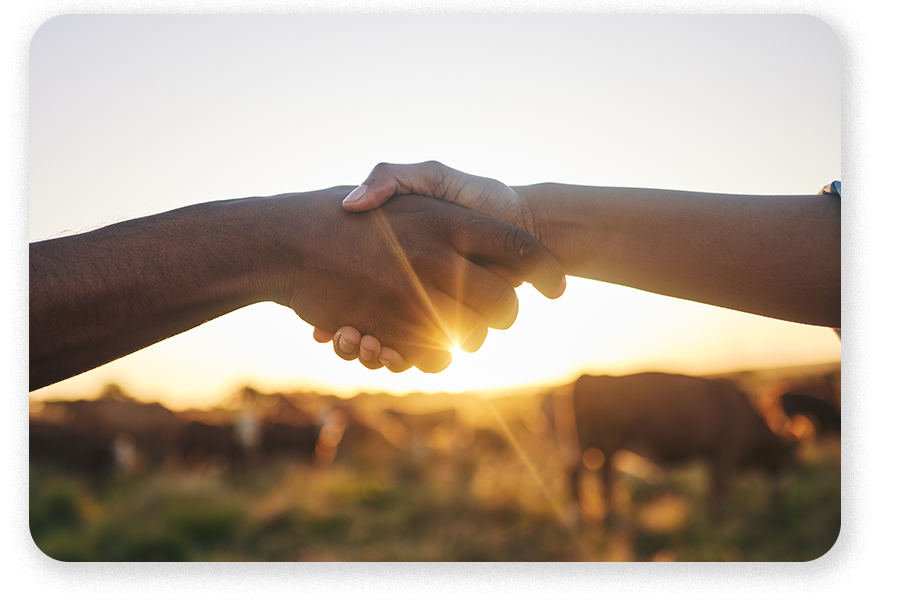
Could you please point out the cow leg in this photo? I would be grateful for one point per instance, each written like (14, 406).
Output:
(606, 477)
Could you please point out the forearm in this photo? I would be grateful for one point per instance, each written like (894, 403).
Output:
(100, 295)
(777, 256)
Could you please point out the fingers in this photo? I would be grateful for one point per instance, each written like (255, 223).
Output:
(346, 343)
(493, 242)
(391, 359)
(350, 345)
(505, 274)
(322, 336)
(473, 341)
(369, 351)
(490, 296)
(462, 265)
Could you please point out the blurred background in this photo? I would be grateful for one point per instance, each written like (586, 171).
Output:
(243, 439)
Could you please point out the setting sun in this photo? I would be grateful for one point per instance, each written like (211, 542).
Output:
(106, 146)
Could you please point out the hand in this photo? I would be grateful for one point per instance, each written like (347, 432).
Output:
(413, 274)
(349, 344)
(435, 180)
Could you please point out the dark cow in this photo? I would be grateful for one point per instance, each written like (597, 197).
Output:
(77, 425)
(118, 434)
(817, 399)
(51, 443)
(201, 442)
(282, 439)
(671, 419)
(822, 414)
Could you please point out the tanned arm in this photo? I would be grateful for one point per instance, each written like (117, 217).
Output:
(100, 295)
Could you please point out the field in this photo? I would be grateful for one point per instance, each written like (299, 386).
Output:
(490, 485)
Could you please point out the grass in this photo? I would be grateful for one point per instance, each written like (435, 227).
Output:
(464, 505)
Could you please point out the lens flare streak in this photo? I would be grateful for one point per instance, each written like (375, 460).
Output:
(557, 508)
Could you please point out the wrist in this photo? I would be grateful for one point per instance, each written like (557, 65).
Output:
(260, 264)
(571, 221)
(289, 241)
(541, 217)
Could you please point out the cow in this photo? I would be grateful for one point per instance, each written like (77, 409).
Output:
(282, 439)
(669, 419)
(808, 418)
(825, 419)
(201, 443)
(150, 428)
(71, 449)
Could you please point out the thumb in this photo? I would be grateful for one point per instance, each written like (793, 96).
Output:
(370, 194)
(384, 181)
(432, 179)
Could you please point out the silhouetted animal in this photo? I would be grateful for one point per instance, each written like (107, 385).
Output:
(82, 451)
(200, 441)
(281, 439)
(673, 418)
(822, 414)
(152, 427)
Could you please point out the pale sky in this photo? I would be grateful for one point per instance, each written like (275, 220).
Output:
(133, 115)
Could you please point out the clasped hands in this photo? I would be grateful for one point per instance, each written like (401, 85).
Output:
(454, 271)
(432, 268)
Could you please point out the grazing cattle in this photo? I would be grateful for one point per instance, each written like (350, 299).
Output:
(151, 428)
(814, 405)
(51, 443)
(824, 417)
(670, 419)
(201, 442)
(281, 439)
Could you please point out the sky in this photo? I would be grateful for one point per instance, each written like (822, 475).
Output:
(135, 115)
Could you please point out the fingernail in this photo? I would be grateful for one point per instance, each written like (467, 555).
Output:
(365, 354)
(561, 288)
(344, 345)
(355, 195)
(384, 362)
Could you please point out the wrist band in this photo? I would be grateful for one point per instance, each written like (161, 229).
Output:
(833, 189)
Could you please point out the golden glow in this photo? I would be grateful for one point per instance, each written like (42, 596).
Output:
(550, 498)
(436, 319)
(454, 330)
(456, 351)
(516, 129)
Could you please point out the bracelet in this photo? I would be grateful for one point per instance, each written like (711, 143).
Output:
(833, 189)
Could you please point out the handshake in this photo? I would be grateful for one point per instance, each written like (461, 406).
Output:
(452, 269)
(420, 259)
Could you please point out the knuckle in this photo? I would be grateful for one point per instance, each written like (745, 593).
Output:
(518, 243)
(381, 170)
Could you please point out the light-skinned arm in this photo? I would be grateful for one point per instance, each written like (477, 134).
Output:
(412, 274)
(776, 256)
